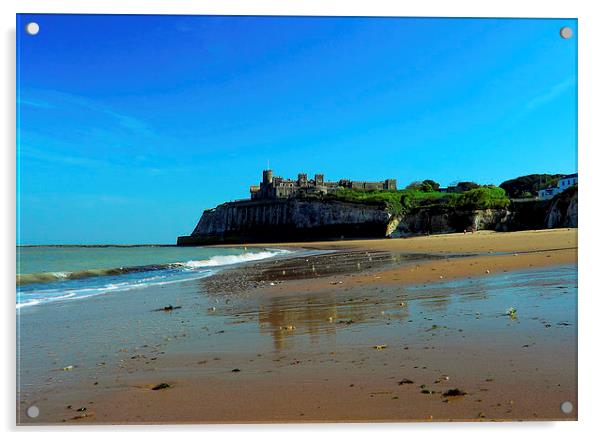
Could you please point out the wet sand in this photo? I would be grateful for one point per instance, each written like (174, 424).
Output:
(378, 330)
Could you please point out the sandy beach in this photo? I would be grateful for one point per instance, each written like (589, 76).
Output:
(412, 329)
(483, 253)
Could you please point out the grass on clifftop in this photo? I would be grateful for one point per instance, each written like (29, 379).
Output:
(401, 201)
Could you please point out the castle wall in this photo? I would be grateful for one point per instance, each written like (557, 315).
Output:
(277, 187)
(367, 185)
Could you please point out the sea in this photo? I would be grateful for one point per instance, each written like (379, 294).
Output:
(51, 274)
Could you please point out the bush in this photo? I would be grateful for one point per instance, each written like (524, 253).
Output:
(427, 185)
(466, 186)
(486, 197)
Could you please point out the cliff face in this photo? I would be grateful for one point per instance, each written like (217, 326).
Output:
(563, 212)
(559, 212)
(288, 220)
(446, 220)
(300, 219)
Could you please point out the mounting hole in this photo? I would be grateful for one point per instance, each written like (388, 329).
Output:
(566, 407)
(566, 32)
(33, 411)
(32, 28)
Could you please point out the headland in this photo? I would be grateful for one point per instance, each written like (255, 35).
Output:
(284, 210)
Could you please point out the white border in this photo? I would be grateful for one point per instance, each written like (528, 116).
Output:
(590, 142)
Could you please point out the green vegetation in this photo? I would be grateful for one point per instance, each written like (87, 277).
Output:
(427, 199)
(485, 197)
(398, 202)
(512, 313)
(465, 186)
(391, 199)
(427, 185)
(527, 186)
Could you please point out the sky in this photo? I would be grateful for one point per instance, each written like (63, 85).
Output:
(128, 127)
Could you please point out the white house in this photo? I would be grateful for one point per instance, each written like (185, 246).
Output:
(563, 184)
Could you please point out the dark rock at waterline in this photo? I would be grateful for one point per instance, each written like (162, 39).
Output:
(168, 308)
(454, 392)
(161, 386)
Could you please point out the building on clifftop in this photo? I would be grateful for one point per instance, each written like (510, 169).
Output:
(273, 187)
(563, 184)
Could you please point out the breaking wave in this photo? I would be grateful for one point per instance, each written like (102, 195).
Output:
(226, 260)
(48, 287)
(49, 277)
(215, 261)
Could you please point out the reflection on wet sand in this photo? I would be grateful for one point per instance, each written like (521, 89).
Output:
(439, 299)
(282, 319)
(323, 314)
(316, 317)
(320, 315)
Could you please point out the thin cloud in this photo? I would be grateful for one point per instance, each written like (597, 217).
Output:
(35, 103)
(88, 199)
(53, 99)
(124, 164)
(63, 159)
(552, 94)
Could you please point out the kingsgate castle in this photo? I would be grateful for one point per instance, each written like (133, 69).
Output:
(272, 187)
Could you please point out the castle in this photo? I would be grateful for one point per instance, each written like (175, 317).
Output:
(273, 187)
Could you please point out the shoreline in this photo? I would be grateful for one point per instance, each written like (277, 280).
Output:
(308, 349)
(438, 257)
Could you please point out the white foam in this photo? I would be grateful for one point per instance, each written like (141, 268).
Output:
(226, 260)
(89, 292)
(33, 302)
(190, 270)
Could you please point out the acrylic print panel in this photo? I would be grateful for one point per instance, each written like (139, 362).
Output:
(295, 219)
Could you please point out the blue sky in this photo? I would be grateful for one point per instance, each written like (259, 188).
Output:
(130, 126)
